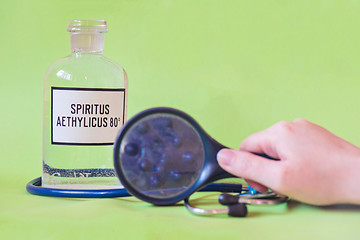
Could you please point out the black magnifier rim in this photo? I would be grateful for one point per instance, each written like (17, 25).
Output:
(202, 178)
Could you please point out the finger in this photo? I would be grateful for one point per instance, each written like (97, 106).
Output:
(257, 186)
(250, 166)
(261, 142)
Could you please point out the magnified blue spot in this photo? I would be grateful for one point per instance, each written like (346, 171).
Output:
(142, 128)
(164, 159)
(156, 144)
(166, 122)
(154, 180)
(157, 168)
(144, 165)
(175, 175)
(131, 149)
(188, 157)
(162, 123)
(176, 141)
(142, 152)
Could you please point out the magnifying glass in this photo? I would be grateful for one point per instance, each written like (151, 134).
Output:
(162, 156)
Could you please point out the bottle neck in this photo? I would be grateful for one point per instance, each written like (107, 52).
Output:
(87, 42)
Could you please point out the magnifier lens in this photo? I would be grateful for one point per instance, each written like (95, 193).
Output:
(161, 155)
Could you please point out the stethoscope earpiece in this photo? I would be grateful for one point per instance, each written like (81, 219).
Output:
(228, 199)
(237, 210)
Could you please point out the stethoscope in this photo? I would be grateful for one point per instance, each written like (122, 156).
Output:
(236, 204)
(163, 156)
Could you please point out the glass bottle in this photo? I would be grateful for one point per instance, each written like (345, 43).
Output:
(85, 101)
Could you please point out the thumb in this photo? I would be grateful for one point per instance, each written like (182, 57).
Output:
(250, 166)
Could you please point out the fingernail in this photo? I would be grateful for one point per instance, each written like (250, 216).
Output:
(225, 157)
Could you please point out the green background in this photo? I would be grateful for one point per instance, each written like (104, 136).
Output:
(236, 66)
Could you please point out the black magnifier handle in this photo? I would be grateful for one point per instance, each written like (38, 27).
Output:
(219, 173)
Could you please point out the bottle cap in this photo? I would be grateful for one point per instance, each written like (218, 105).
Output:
(99, 26)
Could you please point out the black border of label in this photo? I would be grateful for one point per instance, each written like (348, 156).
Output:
(84, 89)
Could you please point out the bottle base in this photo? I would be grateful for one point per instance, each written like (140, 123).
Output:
(80, 182)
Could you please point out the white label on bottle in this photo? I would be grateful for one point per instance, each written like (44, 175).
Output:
(86, 116)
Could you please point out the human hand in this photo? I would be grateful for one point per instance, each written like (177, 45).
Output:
(314, 166)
